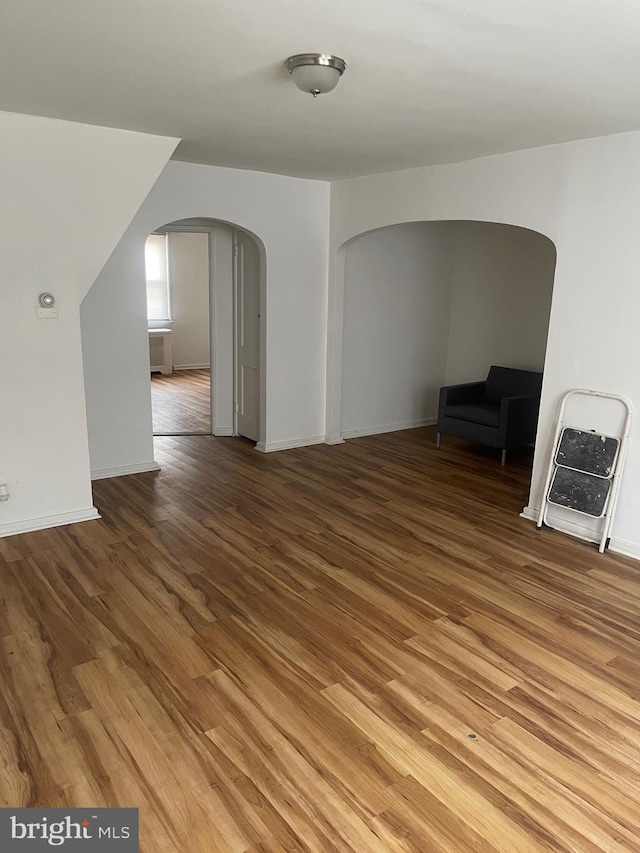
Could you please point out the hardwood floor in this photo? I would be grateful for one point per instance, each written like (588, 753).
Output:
(352, 648)
(181, 402)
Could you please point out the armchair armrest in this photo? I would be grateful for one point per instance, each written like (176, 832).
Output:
(518, 420)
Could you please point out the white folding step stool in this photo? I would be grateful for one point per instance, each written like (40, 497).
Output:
(586, 467)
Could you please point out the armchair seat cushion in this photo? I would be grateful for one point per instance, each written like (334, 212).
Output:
(484, 413)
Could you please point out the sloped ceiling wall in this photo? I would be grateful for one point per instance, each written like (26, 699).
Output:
(69, 192)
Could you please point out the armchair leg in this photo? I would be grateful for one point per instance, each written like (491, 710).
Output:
(504, 457)
(437, 439)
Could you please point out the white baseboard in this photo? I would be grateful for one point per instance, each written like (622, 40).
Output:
(272, 446)
(123, 470)
(628, 549)
(223, 431)
(579, 531)
(12, 528)
(395, 427)
(339, 439)
(530, 514)
(334, 439)
(191, 366)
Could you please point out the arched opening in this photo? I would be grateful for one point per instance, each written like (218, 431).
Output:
(203, 311)
(421, 305)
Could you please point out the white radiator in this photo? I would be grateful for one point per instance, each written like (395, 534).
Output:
(160, 351)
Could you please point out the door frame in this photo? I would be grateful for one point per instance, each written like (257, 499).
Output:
(236, 348)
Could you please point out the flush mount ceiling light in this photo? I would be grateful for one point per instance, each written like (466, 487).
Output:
(316, 73)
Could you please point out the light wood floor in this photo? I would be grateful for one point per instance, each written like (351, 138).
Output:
(352, 648)
(181, 402)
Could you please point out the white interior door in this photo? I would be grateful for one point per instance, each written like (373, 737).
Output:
(247, 280)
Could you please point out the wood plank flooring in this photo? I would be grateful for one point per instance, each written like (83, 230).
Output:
(181, 402)
(352, 648)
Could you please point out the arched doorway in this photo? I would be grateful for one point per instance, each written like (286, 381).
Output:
(207, 327)
(423, 304)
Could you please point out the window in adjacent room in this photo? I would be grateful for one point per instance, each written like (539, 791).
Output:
(156, 265)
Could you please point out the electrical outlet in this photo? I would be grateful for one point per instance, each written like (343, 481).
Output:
(47, 313)
(4, 491)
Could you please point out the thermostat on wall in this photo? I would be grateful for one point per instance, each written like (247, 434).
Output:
(46, 309)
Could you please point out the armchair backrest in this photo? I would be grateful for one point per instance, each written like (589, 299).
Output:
(510, 382)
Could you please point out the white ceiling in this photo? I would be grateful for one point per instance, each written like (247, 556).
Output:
(428, 81)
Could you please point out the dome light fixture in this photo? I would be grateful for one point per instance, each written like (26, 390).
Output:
(316, 73)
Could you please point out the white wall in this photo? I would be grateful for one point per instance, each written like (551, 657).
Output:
(290, 217)
(583, 196)
(396, 326)
(68, 193)
(502, 282)
(189, 283)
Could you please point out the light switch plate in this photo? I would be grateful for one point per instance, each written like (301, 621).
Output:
(47, 313)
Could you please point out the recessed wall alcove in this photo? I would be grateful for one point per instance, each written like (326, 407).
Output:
(432, 303)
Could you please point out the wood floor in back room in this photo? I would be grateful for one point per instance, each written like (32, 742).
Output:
(350, 648)
(181, 402)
